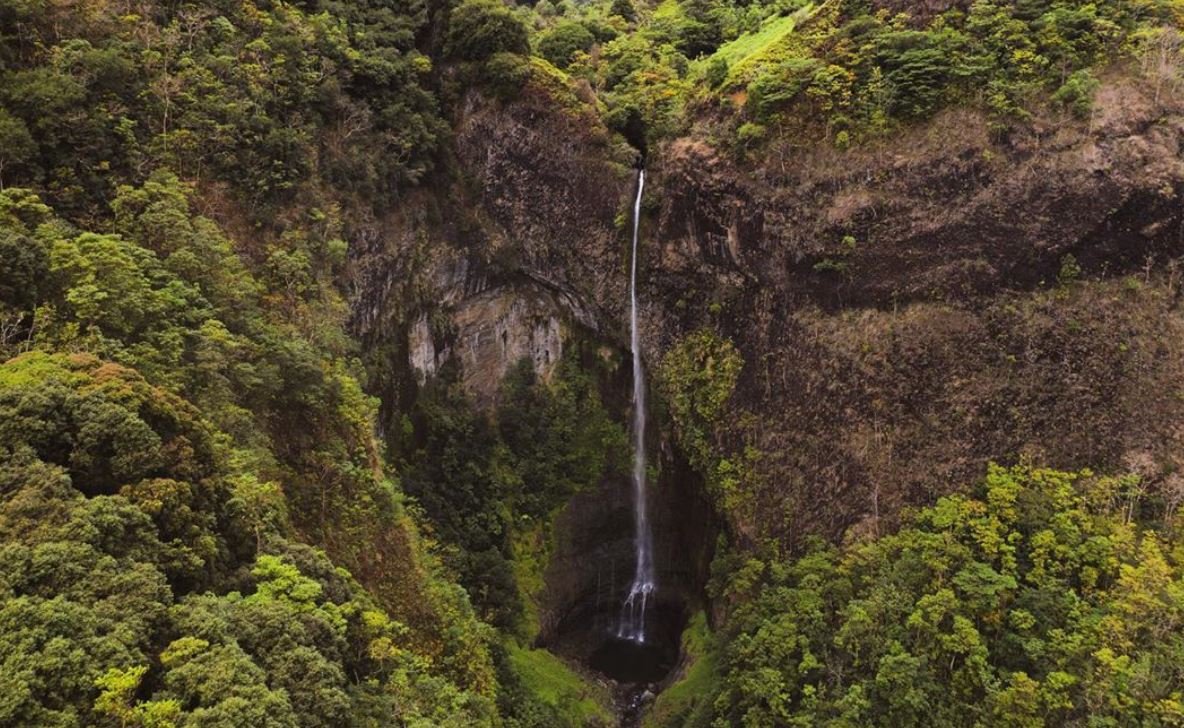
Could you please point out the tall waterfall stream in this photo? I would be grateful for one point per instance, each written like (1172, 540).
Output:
(633, 610)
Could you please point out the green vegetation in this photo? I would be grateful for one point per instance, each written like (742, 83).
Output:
(750, 48)
(138, 588)
(199, 525)
(685, 702)
(1039, 600)
(196, 519)
(478, 29)
(255, 98)
(697, 377)
(843, 70)
(561, 44)
(561, 695)
(490, 486)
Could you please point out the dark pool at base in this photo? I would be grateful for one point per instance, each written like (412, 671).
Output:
(629, 662)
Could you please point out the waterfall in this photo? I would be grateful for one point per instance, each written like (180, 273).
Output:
(632, 624)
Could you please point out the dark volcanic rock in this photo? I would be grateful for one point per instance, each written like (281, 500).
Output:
(907, 311)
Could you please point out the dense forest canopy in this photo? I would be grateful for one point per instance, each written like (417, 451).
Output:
(209, 518)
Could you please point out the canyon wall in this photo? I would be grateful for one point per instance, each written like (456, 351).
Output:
(906, 311)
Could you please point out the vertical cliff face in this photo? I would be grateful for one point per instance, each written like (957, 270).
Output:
(519, 244)
(906, 312)
(525, 254)
(912, 310)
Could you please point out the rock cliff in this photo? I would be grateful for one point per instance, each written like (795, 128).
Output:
(906, 311)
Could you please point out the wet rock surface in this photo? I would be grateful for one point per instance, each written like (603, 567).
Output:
(906, 311)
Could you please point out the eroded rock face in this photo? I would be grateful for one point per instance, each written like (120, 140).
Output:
(522, 246)
(897, 306)
(547, 186)
(489, 332)
(942, 213)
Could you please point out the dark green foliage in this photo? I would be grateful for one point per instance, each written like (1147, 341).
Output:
(477, 29)
(478, 478)
(98, 590)
(16, 143)
(505, 74)
(216, 415)
(260, 99)
(717, 72)
(559, 437)
(560, 44)
(623, 9)
(855, 69)
(1078, 92)
(700, 30)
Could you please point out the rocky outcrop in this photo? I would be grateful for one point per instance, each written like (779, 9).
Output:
(944, 212)
(523, 243)
(487, 333)
(907, 311)
(911, 310)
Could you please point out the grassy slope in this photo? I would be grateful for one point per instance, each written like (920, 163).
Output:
(683, 703)
(557, 685)
(746, 53)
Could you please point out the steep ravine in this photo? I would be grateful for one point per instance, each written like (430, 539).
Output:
(479, 282)
(905, 312)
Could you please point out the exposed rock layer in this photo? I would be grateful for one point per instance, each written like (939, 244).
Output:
(907, 311)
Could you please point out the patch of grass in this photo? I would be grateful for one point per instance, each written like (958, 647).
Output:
(750, 44)
(746, 54)
(532, 549)
(686, 703)
(552, 682)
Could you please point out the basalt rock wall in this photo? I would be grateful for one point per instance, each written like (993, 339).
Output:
(907, 311)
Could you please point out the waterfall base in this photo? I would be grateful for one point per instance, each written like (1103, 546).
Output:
(590, 638)
(629, 662)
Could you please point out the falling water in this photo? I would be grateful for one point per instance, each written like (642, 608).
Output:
(632, 624)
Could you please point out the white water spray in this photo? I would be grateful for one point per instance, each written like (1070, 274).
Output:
(632, 624)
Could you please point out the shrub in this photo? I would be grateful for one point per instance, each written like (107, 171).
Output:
(624, 9)
(1077, 93)
(505, 74)
(478, 29)
(560, 44)
(717, 72)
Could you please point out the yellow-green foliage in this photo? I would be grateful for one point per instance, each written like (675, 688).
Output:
(686, 703)
(576, 701)
(123, 532)
(229, 422)
(697, 377)
(1034, 602)
(771, 44)
(531, 551)
(558, 85)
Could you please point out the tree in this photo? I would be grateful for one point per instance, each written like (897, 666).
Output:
(560, 44)
(1030, 603)
(117, 701)
(623, 9)
(16, 143)
(477, 29)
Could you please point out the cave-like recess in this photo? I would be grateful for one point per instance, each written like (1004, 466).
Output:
(589, 573)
